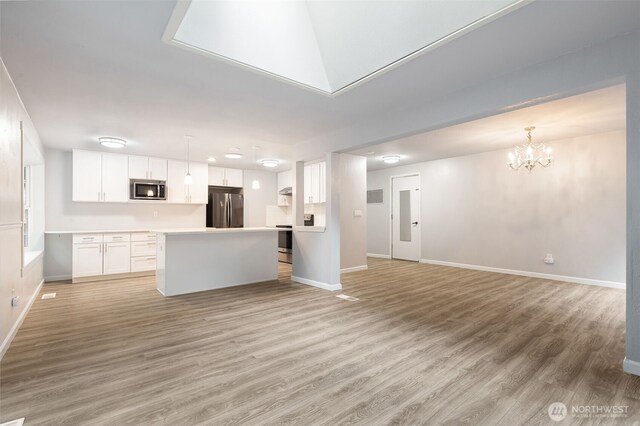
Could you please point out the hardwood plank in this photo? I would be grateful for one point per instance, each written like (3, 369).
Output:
(425, 344)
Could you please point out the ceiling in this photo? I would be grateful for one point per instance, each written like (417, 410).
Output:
(589, 113)
(86, 69)
(324, 45)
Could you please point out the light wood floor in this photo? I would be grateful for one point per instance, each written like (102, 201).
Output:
(424, 344)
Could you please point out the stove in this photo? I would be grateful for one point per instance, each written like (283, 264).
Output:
(285, 243)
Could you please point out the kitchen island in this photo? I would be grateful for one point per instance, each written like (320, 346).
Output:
(200, 259)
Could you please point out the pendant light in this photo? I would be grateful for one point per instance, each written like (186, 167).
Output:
(188, 180)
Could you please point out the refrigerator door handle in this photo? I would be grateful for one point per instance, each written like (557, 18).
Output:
(229, 211)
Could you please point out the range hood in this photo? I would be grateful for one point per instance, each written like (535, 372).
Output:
(286, 191)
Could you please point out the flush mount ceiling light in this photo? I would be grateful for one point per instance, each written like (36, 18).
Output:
(211, 159)
(233, 155)
(110, 142)
(270, 163)
(391, 159)
(529, 154)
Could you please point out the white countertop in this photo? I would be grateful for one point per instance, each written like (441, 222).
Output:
(309, 228)
(191, 230)
(184, 231)
(98, 231)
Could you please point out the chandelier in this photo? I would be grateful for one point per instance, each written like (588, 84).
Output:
(529, 154)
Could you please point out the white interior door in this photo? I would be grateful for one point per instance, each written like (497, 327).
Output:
(405, 218)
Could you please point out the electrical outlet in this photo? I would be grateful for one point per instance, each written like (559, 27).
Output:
(155, 213)
(548, 259)
(15, 300)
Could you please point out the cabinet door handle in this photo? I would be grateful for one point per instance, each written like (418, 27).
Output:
(151, 258)
(100, 248)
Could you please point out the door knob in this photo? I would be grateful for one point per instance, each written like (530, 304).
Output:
(414, 223)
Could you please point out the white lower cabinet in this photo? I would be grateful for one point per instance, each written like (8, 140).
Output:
(117, 258)
(143, 251)
(141, 264)
(87, 259)
(111, 253)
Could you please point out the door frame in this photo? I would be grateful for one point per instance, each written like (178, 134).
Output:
(391, 178)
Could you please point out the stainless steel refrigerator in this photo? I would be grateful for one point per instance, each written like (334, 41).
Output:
(225, 208)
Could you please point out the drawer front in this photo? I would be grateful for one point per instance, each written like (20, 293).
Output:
(143, 236)
(143, 248)
(87, 238)
(140, 264)
(117, 237)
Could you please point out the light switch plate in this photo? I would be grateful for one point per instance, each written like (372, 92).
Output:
(357, 213)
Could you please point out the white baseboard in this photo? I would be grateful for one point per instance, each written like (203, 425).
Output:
(380, 256)
(354, 269)
(18, 323)
(631, 367)
(57, 278)
(324, 286)
(611, 284)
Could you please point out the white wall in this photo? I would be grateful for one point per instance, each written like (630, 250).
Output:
(316, 255)
(477, 211)
(257, 200)
(353, 196)
(13, 278)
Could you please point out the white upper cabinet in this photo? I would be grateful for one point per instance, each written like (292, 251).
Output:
(138, 167)
(100, 176)
(115, 185)
(178, 192)
(157, 168)
(233, 177)
(216, 176)
(220, 176)
(315, 183)
(176, 189)
(151, 168)
(87, 176)
(104, 177)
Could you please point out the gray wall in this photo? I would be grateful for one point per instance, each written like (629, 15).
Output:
(476, 211)
(353, 196)
(13, 278)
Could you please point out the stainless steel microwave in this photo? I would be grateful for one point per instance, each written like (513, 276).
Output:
(148, 190)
